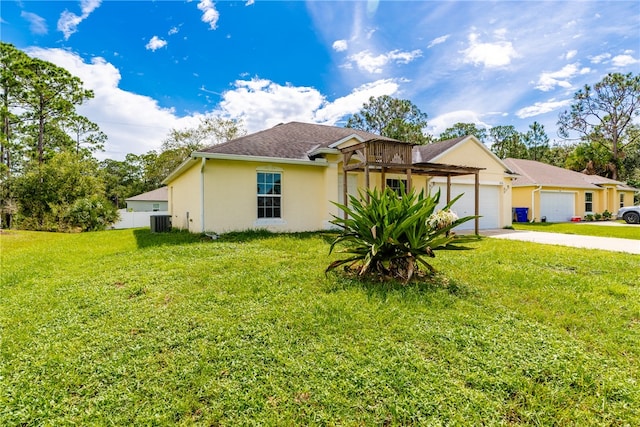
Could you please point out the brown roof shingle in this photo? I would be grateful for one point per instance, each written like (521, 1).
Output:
(294, 140)
(426, 153)
(158, 195)
(537, 173)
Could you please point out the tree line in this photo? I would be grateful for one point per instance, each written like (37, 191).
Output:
(49, 177)
(51, 180)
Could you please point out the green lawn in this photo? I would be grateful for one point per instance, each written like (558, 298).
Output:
(587, 229)
(131, 328)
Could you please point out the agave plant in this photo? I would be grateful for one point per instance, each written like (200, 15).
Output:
(392, 236)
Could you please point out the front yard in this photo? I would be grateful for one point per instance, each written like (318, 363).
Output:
(618, 229)
(131, 328)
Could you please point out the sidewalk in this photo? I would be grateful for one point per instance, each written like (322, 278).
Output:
(588, 242)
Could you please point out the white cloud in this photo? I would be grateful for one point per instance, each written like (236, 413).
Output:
(624, 60)
(173, 30)
(249, 2)
(541, 108)
(340, 45)
(331, 113)
(439, 124)
(37, 24)
(68, 22)
(133, 123)
(209, 13)
(571, 54)
(598, 59)
(549, 81)
(373, 64)
(438, 40)
(155, 43)
(261, 103)
(490, 55)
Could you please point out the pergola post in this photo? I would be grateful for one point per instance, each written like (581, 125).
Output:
(345, 190)
(408, 180)
(448, 188)
(477, 191)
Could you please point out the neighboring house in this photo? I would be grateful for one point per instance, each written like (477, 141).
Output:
(140, 208)
(286, 178)
(558, 195)
(151, 201)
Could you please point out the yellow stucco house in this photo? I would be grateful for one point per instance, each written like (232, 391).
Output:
(558, 195)
(286, 177)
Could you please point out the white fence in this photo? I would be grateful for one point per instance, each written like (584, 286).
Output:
(136, 219)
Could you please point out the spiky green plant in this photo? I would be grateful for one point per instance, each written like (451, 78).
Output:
(392, 236)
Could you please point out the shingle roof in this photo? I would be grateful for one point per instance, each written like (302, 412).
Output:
(294, 140)
(426, 153)
(537, 173)
(158, 195)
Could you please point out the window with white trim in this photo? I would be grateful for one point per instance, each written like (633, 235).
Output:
(622, 200)
(269, 195)
(156, 207)
(588, 202)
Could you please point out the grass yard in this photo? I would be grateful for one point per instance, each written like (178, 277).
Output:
(131, 328)
(586, 229)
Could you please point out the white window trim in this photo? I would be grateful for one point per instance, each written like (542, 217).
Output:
(269, 221)
(262, 222)
(586, 201)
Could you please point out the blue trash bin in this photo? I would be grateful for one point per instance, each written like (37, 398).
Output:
(521, 214)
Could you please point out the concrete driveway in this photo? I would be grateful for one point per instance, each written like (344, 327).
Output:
(588, 242)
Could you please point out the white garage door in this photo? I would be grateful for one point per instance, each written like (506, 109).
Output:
(465, 206)
(557, 207)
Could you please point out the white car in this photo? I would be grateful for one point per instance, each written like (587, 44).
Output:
(631, 214)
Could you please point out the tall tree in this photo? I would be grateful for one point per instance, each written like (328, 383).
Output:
(391, 117)
(210, 130)
(13, 70)
(86, 135)
(604, 115)
(179, 144)
(463, 129)
(558, 154)
(536, 141)
(507, 142)
(52, 94)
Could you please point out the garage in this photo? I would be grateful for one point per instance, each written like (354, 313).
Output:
(557, 206)
(490, 205)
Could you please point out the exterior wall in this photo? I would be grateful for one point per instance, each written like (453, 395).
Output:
(603, 199)
(628, 199)
(146, 205)
(470, 153)
(521, 197)
(231, 201)
(184, 200)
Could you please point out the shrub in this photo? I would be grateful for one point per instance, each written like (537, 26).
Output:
(588, 217)
(92, 213)
(597, 216)
(391, 236)
(606, 214)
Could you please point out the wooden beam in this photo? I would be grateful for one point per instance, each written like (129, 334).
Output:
(448, 188)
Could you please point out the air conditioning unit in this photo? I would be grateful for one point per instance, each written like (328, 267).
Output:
(160, 223)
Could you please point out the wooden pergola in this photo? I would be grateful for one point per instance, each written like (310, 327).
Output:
(383, 156)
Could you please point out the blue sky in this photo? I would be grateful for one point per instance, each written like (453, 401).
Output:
(157, 65)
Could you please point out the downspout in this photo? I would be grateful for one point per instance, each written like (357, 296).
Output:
(204, 162)
(533, 204)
